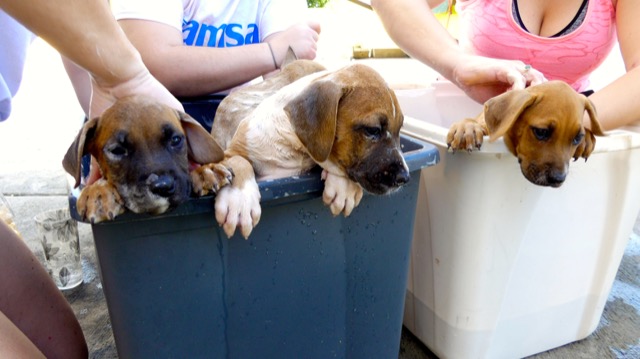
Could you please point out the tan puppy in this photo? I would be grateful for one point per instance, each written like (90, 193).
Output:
(541, 125)
(347, 121)
(143, 149)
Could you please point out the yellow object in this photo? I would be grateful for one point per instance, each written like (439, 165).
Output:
(450, 22)
(360, 52)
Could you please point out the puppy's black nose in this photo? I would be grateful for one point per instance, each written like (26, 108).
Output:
(402, 177)
(162, 185)
(556, 178)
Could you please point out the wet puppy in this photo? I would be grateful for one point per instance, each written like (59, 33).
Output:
(347, 121)
(143, 149)
(241, 102)
(541, 125)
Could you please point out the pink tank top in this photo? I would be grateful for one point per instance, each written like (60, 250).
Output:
(487, 28)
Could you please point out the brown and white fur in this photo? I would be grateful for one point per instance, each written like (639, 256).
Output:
(347, 121)
(143, 149)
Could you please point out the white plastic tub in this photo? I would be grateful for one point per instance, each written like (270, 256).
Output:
(501, 268)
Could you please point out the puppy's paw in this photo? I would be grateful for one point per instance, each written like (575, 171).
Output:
(99, 202)
(238, 207)
(466, 135)
(210, 178)
(341, 194)
(585, 148)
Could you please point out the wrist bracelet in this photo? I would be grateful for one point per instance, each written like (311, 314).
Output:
(273, 57)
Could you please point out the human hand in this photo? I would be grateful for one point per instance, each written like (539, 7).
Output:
(301, 37)
(103, 95)
(483, 78)
(143, 83)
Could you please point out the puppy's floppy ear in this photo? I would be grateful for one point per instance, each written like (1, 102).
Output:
(201, 145)
(313, 114)
(502, 111)
(73, 158)
(591, 110)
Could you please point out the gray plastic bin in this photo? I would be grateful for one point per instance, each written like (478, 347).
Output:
(305, 285)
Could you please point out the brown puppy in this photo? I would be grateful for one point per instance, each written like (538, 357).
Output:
(541, 125)
(347, 121)
(143, 149)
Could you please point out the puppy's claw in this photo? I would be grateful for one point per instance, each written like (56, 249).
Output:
(466, 134)
(586, 147)
(238, 208)
(229, 229)
(99, 202)
(210, 178)
(341, 194)
(246, 229)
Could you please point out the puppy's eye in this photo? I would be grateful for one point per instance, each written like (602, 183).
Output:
(578, 139)
(116, 151)
(176, 141)
(372, 132)
(542, 134)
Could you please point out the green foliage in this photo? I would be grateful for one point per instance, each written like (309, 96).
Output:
(317, 3)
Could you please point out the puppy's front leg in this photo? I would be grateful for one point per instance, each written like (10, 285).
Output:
(238, 205)
(585, 147)
(466, 134)
(99, 201)
(209, 178)
(341, 194)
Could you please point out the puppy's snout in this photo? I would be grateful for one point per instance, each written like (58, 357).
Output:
(402, 177)
(162, 185)
(556, 178)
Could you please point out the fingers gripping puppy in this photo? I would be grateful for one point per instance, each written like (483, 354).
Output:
(542, 126)
(347, 121)
(144, 150)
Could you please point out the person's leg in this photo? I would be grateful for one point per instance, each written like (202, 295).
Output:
(14, 344)
(31, 301)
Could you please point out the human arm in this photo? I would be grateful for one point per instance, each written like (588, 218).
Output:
(81, 82)
(412, 25)
(617, 103)
(199, 70)
(85, 32)
(32, 307)
(302, 38)
(14, 343)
